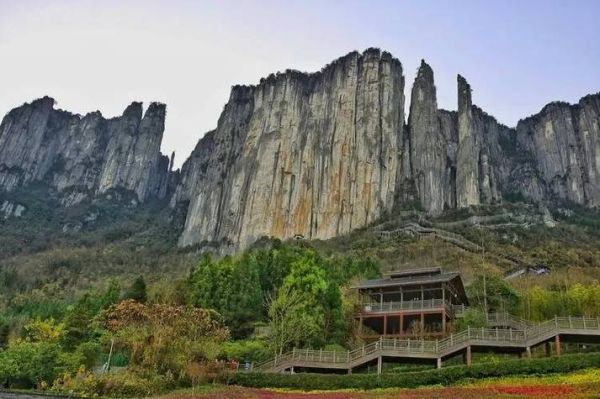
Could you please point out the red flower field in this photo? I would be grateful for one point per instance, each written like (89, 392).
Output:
(495, 392)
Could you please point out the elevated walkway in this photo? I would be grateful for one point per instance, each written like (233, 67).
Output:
(576, 329)
(458, 241)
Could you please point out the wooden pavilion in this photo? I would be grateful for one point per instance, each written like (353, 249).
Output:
(411, 303)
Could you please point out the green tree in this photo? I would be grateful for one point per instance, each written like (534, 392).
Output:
(231, 287)
(322, 298)
(78, 321)
(498, 293)
(30, 363)
(472, 317)
(137, 291)
(112, 294)
(289, 323)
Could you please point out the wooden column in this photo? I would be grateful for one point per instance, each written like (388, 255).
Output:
(439, 363)
(557, 344)
(379, 364)
(443, 293)
(443, 321)
(422, 324)
(468, 358)
(384, 325)
(528, 352)
(350, 370)
(401, 325)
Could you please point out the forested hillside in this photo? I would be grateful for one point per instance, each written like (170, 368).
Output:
(69, 294)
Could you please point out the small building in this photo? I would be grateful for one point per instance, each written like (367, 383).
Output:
(417, 303)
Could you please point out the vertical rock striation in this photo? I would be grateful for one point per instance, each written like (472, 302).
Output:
(564, 143)
(317, 155)
(84, 156)
(428, 145)
(311, 155)
(467, 170)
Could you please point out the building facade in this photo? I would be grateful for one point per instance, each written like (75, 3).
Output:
(418, 303)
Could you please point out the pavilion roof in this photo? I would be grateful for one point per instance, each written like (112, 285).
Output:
(411, 279)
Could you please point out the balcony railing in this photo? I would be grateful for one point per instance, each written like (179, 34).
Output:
(392, 306)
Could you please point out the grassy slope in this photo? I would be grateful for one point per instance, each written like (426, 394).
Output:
(125, 241)
(114, 238)
(571, 248)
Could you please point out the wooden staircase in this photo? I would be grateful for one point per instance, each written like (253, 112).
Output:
(519, 340)
(452, 238)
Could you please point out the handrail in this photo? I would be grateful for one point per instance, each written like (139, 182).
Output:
(417, 304)
(489, 336)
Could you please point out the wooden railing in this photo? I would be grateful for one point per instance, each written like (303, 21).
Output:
(530, 335)
(391, 306)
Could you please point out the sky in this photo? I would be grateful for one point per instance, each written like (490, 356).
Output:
(104, 54)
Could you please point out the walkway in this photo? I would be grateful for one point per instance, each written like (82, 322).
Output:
(576, 329)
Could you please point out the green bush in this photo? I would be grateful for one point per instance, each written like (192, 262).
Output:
(252, 350)
(444, 376)
(27, 364)
(130, 383)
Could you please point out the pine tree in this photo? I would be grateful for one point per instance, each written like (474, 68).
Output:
(137, 291)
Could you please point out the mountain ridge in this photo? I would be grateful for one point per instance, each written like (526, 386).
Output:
(313, 154)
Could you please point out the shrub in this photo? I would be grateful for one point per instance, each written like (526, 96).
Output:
(444, 376)
(251, 350)
(130, 383)
(28, 364)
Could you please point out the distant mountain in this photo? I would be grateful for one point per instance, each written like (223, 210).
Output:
(312, 155)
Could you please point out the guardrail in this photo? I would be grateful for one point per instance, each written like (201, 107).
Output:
(530, 335)
(391, 306)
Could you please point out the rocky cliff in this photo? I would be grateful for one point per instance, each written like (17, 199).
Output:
(84, 156)
(564, 143)
(313, 155)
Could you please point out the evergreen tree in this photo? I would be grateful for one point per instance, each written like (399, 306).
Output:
(112, 294)
(230, 286)
(137, 291)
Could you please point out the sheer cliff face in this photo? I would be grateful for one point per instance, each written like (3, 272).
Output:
(313, 155)
(456, 157)
(564, 141)
(319, 155)
(83, 156)
(310, 155)
(429, 161)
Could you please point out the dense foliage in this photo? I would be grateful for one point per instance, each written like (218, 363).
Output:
(178, 333)
(114, 293)
(444, 376)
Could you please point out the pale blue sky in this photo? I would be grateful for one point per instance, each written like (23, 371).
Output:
(88, 55)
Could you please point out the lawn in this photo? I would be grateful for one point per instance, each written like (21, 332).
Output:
(578, 385)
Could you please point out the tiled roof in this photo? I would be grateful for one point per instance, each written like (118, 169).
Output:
(421, 271)
(394, 282)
